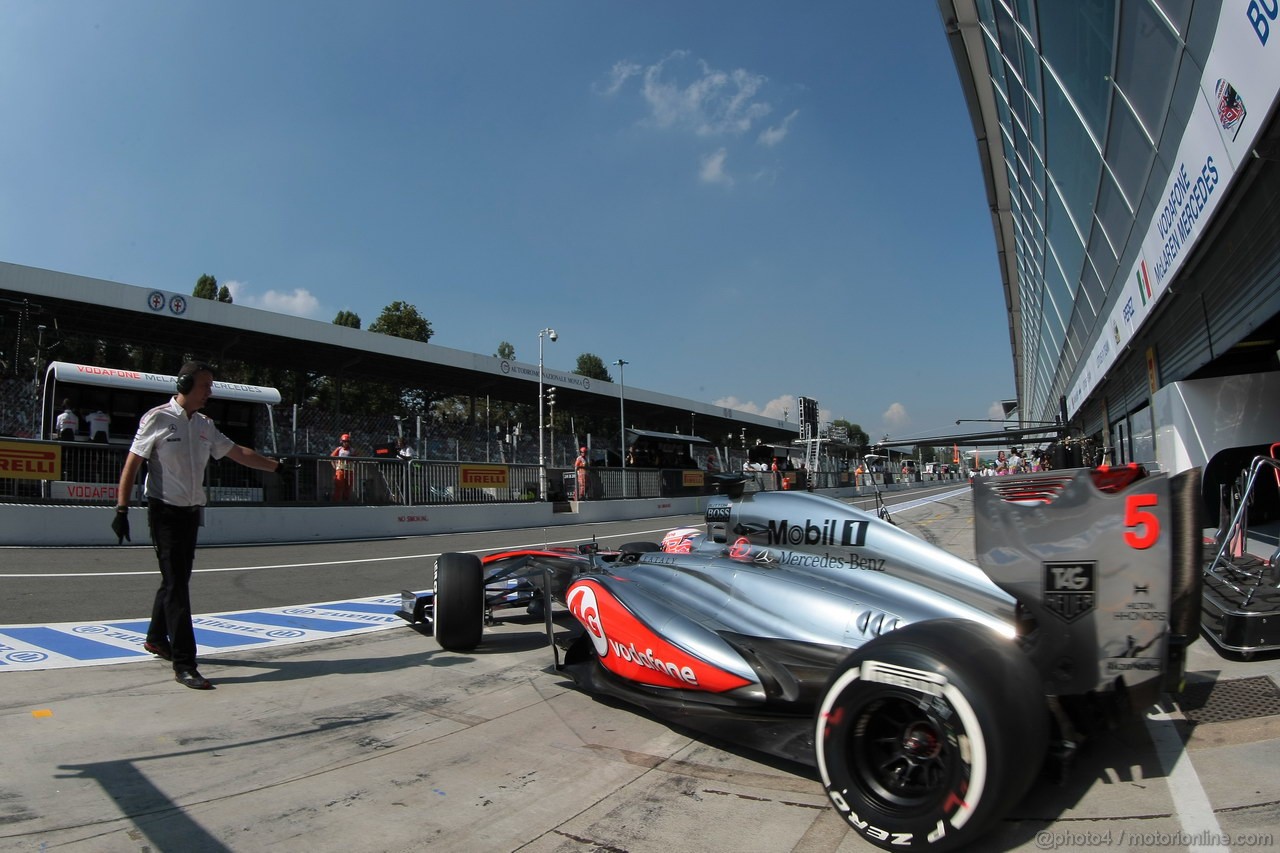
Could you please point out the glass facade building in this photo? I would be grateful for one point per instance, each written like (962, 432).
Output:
(1129, 154)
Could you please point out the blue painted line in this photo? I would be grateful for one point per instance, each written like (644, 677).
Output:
(292, 620)
(204, 636)
(220, 640)
(68, 645)
(359, 607)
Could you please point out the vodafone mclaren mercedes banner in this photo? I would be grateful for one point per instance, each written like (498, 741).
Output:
(1237, 93)
(141, 380)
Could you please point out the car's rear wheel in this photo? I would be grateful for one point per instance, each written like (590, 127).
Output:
(458, 603)
(929, 734)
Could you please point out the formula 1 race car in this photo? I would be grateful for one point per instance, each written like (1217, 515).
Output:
(927, 691)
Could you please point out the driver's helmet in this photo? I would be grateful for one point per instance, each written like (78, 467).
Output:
(681, 540)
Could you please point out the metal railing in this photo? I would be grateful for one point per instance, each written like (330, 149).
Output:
(90, 472)
(1244, 575)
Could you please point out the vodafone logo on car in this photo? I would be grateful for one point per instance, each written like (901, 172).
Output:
(631, 650)
(582, 604)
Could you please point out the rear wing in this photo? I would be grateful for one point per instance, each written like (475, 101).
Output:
(1106, 563)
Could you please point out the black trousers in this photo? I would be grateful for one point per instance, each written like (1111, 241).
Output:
(173, 534)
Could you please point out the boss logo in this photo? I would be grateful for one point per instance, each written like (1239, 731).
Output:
(718, 513)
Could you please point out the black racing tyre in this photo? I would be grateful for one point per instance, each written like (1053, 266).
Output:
(1187, 520)
(928, 735)
(458, 603)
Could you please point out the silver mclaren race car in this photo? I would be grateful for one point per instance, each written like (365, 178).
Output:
(926, 690)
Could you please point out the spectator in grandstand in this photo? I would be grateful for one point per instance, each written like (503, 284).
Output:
(67, 423)
(342, 469)
(177, 441)
(99, 425)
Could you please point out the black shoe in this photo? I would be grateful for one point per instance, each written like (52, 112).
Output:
(158, 650)
(192, 679)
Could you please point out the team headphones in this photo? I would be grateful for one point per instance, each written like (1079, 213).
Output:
(187, 375)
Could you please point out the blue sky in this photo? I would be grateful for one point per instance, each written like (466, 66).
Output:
(747, 202)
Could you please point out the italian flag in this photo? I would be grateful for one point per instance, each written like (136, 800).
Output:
(1144, 282)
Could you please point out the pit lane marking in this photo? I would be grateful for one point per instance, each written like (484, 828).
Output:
(70, 644)
(1191, 801)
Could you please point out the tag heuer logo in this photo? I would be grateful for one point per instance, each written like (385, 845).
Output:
(1069, 589)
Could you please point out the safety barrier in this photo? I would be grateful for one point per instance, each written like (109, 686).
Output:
(89, 472)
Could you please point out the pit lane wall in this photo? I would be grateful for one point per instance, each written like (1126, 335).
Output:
(62, 526)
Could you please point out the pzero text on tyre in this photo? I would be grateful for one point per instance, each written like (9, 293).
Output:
(458, 603)
(929, 734)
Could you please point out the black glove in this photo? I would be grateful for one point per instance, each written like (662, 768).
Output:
(120, 524)
(286, 466)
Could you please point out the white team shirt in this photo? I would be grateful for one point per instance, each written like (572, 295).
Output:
(68, 420)
(177, 450)
(98, 421)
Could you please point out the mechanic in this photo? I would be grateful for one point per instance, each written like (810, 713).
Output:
(67, 423)
(342, 469)
(580, 465)
(177, 441)
(99, 426)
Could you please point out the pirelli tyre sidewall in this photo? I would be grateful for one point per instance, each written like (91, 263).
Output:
(929, 734)
(458, 604)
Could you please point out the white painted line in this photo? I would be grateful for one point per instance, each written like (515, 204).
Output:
(1190, 802)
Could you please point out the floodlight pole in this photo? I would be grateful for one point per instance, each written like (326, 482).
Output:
(542, 459)
(622, 420)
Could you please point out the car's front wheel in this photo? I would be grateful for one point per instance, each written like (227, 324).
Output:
(929, 734)
(458, 603)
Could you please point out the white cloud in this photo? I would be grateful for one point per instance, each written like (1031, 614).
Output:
(299, 303)
(779, 407)
(685, 93)
(771, 136)
(712, 102)
(896, 416)
(712, 171)
(618, 76)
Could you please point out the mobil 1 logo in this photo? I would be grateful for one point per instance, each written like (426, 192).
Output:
(1069, 590)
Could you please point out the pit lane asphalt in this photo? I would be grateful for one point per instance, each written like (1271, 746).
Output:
(384, 742)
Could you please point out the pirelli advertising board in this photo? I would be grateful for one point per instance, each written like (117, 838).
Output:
(29, 460)
(483, 477)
